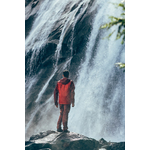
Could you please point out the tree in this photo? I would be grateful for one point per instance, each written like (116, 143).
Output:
(117, 21)
(120, 22)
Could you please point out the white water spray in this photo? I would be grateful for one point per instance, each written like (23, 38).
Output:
(99, 100)
(96, 112)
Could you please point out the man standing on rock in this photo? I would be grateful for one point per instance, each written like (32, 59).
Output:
(65, 91)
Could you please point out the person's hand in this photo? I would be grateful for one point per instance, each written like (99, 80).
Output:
(72, 105)
(56, 105)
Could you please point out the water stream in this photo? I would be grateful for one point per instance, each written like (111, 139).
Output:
(99, 110)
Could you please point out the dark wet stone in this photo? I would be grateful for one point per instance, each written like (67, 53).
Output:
(61, 141)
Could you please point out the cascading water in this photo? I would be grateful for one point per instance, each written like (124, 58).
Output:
(99, 110)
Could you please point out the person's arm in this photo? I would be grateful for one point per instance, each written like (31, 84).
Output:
(56, 96)
(72, 94)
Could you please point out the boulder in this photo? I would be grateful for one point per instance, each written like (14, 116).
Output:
(104, 145)
(102, 141)
(52, 140)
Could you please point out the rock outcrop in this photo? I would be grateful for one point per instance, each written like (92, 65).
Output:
(52, 140)
(104, 145)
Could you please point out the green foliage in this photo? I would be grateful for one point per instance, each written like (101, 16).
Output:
(120, 65)
(120, 22)
(117, 21)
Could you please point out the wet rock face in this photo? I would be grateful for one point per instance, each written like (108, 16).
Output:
(27, 2)
(79, 38)
(52, 140)
(31, 8)
(43, 63)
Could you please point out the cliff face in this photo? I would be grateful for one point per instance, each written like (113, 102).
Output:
(31, 8)
(77, 31)
(65, 35)
(75, 37)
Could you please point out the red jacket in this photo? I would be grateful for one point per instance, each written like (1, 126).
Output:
(65, 91)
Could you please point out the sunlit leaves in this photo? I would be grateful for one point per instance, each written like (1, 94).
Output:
(120, 65)
(122, 5)
(120, 22)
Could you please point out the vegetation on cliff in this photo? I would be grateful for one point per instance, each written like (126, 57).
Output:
(120, 22)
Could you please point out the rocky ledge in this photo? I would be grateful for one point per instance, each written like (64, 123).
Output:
(52, 140)
(104, 145)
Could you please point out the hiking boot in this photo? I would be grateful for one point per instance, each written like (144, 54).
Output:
(66, 131)
(59, 130)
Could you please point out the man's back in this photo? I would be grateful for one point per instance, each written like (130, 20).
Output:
(65, 91)
(64, 95)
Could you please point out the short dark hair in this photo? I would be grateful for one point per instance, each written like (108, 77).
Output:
(66, 73)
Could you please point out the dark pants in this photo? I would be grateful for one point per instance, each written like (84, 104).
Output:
(63, 118)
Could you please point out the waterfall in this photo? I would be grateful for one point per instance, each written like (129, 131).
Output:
(99, 110)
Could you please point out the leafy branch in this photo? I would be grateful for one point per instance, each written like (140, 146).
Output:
(120, 65)
(117, 21)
